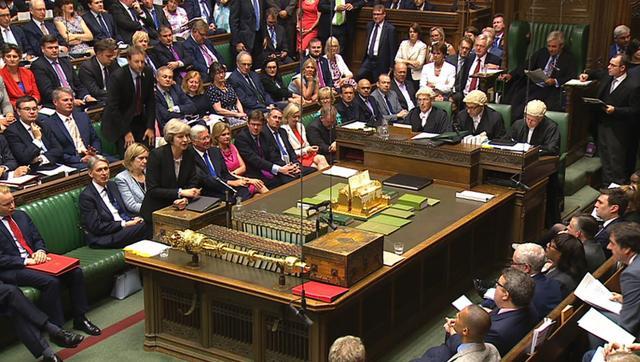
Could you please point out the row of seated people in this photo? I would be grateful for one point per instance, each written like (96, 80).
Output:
(553, 267)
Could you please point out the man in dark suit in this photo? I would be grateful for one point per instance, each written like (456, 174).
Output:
(510, 321)
(29, 324)
(475, 63)
(276, 43)
(203, 9)
(262, 157)
(286, 12)
(404, 89)
(366, 108)
(610, 208)
(322, 132)
(32, 142)
(425, 117)
(283, 153)
(344, 105)
(339, 20)
(130, 17)
(201, 49)
(171, 102)
(464, 49)
(388, 103)
(35, 29)
(617, 137)
(621, 40)
(130, 113)
(52, 71)
(401, 5)
(537, 130)
(156, 14)
(212, 170)
(103, 215)
(171, 54)
(624, 244)
(94, 73)
(22, 245)
(248, 86)
(8, 166)
(11, 33)
(100, 22)
(381, 46)
(246, 20)
(477, 117)
(314, 49)
(584, 227)
(73, 131)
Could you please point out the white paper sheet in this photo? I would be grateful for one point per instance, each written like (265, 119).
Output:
(423, 135)
(518, 147)
(474, 196)
(391, 259)
(540, 334)
(596, 323)
(578, 82)
(461, 302)
(340, 171)
(599, 355)
(592, 291)
(17, 181)
(355, 125)
(147, 248)
(57, 170)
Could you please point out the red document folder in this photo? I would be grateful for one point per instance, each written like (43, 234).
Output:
(319, 291)
(59, 264)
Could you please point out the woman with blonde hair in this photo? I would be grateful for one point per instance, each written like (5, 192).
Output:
(193, 87)
(305, 84)
(221, 137)
(307, 154)
(438, 38)
(131, 181)
(340, 72)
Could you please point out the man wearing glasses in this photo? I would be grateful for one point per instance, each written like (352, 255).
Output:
(248, 86)
(201, 49)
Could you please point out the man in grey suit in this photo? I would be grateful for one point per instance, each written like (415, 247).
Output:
(472, 323)
(624, 243)
(584, 227)
(387, 100)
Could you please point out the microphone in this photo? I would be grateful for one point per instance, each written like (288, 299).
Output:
(226, 185)
(300, 313)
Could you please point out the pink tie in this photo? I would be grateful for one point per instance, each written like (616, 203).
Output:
(63, 78)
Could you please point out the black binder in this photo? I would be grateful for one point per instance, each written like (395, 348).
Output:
(408, 182)
(203, 204)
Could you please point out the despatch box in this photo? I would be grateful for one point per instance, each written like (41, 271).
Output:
(343, 257)
(169, 219)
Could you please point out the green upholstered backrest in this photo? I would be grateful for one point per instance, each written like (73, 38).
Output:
(58, 221)
(562, 119)
(505, 112)
(227, 56)
(108, 148)
(308, 118)
(521, 46)
(444, 105)
(286, 78)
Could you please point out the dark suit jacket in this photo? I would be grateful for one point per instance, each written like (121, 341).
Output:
(9, 255)
(161, 55)
(242, 21)
(567, 283)
(321, 136)
(90, 75)
(192, 7)
(48, 80)
(630, 287)
(97, 30)
(121, 105)
(6, 159)
(347, 112)
(246, 94)
(546, 135)
(602, 236)
(410, 89)
(33, 34)
(466, 69)
(18, 33)
(547, 294)
(275, 87)
(87, 133)
(281, 41)
(563, 71)
(490, 122)
(96, 218)
(403, 5)
(437, 122)
(162, 184)
(256, 159)
(363, 113)
(192, 50)
(624, 98)
(387, 47)
(161, 18)
(25, 151)
(179, 99)
(326, 72)
(127, 26)
(210, 185)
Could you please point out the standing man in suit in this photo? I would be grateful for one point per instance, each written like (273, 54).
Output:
(381, 46)
(130, 114)
(35, 29)
(11, 33)
(52, 71)
(338, 17)
(610, 207)
(248, 86)
(100, 22)
(405, 90)
(537, 130)
(276, 42)
(477, 117)
(171, 102)
(130, 17)
(103, 215)
(621, 40)
(366, 107)
(401, 5)
(286, 12)
(171, 54)
(345, 105)
(475, 63)
(201, 49)
(32, 142)
(617, 120)
(388, 103)
(212, 170)
(426, 118)
(203, 9)
(94, 73)
(325, 79)
(73, 131)
(156, 14)
(246, 19)
(22, 245)
(322, 132)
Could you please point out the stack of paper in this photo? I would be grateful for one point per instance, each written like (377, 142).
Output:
(340, 171)
(418, 202)
(355, 125)
(423, 135)
(596, 323)
(18, 181)
(391, 259)
(461, 303)
(474, 196)
(57, 170)
(592, 291)
(540, 334)
(518, 147)
(146, 248)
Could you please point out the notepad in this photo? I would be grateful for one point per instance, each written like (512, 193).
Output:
(402, 207)
(432, 201)
(397, 213)
(146, 248)
(377, 227)
(418, 202)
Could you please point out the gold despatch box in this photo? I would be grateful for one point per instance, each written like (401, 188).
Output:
(344, 256)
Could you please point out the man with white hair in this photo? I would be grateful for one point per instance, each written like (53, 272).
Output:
(478, 118)
(537, 130)
(347, 349)
(621, 40)
(424, 117)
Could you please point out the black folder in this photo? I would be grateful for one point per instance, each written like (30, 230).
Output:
(203, 204)
(408, 182)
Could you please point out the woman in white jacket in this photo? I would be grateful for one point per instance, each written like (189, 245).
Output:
(307, 154)
(413, 52)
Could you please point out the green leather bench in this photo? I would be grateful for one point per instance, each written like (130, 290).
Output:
(108, 148)
(505, 112)
(227, 55)
(445, 106)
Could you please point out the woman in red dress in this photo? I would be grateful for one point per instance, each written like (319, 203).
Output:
(307, 154)
(308, 18)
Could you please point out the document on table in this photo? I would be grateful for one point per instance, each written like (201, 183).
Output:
(390, 259)
(592, 291)
(402, 125)
(355, 125)
(474, 196)
(18, 181)
(596, 323)
(340, 171)
(423, 135)
(57, 170)
(461, 302)
(578, 82)
(518, 147)
(147, 248)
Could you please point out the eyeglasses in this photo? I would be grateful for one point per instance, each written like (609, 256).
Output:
(29, 109)
(500, 285)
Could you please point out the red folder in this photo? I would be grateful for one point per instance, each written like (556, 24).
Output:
(319, 291)
(59, 264)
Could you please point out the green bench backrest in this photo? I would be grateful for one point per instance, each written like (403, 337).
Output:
(286, 78)
(58, 220)
(308, 118)
(225, 51)
(107, 147)
(562, 119)
(444, 105)
(505, 112)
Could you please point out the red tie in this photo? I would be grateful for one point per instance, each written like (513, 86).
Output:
(18, 234)
(474, 81)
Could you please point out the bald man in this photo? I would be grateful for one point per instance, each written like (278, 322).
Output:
(472, 324)
(366, 108)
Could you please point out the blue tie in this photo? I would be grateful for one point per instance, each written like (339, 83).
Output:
(116, 204)
(155, 17)
(207, 160)
(283, 151)
(256, 10)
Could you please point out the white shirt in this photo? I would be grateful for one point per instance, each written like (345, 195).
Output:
(616, 82)
(8, 37)
(36, 142)
(425, 116)
(405, 94)
(444, 82)
(376, 41)
(529, 135)
(105, 198)
(176, 167)
(79, 144)
(472, 71)
(23, 252)
(476, 120)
